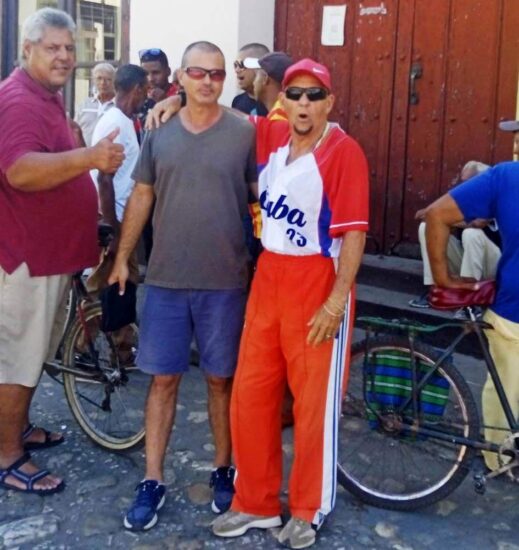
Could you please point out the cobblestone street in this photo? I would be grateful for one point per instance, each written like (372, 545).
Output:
(88, 514)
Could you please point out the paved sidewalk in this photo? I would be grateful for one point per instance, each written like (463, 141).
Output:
(88, 515)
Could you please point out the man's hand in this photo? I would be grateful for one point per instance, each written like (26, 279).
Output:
(107, 156)
(157, 94)
(119, 274)
(324, 324)
(163, 111)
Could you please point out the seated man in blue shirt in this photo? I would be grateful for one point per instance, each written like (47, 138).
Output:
(493, 194)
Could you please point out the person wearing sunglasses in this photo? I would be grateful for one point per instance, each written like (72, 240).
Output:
(155, 62)
(314, 196)
(198, 169)
(270, 71)
(313, 192)
(246, 102)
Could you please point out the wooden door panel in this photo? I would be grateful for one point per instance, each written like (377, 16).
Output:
(507, 80)
(471, 76)
(399, 120)
(426, 118)
(368, 112)
(301, 30)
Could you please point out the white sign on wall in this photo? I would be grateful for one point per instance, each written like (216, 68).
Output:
(332, 32)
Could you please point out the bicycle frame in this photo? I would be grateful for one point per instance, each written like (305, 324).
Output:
(471, 326)
(79, 296)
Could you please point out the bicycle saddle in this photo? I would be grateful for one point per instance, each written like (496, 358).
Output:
(454, 298)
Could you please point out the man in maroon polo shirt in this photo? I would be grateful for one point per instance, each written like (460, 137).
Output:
(48, 217)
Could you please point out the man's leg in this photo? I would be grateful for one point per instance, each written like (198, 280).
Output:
(165, 335)
(315, 376)
(480, 255)
(30, 309)
(160, 415)
(38, 435)
(219, 398)
(14, 406)
(454, 255)
(218, 320)
(503, 341)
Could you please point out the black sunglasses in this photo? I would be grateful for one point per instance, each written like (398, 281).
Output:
(238, 65)
(198, 73)
(153, 52)
(295, 93)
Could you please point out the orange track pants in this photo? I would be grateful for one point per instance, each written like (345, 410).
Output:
(286, 292)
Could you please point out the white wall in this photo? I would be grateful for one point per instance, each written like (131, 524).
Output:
(173, 24)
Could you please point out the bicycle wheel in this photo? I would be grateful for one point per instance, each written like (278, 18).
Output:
(110, 407)
(384, 457)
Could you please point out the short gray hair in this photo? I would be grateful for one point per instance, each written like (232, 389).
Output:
(203, 46)
(107, 67)
(34, 26)
(473, 168)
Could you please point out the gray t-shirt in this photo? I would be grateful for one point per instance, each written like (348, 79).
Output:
(201, 184)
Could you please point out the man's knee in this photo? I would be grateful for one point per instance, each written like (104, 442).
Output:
(218, 385)
(166, 383)
(472, 236)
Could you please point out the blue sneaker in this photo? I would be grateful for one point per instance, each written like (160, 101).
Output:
(150, 498)
(222, 483)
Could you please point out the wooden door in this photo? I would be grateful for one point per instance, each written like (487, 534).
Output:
(421, 85)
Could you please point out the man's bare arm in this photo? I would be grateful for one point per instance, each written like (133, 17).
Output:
(137, 212)
(105, 183)
(43, 171)
(169, 107)
(440, 217)
(328, 317)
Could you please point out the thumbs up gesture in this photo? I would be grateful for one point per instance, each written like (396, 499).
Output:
(107, 155)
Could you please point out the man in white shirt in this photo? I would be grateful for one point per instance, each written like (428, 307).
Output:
(114, 189)
(92, 108)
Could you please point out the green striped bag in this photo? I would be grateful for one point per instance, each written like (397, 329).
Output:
(388, 379)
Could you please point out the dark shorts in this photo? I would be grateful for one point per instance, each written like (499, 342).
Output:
(171, 317)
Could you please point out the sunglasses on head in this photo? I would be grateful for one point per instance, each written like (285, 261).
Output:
(238, 65)
(295, 93)
(198, 73)
(153, 52)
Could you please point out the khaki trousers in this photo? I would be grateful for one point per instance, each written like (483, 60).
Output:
(32, 318)
(504, 348)
(476, 256)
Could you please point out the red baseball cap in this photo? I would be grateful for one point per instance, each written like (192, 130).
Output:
(309, 67)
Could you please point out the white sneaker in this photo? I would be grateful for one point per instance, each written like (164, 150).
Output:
(235, 524)
(297, 533)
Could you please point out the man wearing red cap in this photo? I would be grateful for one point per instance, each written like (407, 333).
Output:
(314, 197)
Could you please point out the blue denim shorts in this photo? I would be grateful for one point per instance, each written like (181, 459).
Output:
(171, 317)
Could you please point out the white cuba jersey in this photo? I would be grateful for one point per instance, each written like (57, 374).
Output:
(307, 205)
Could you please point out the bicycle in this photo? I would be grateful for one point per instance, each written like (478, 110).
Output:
(104, 389)
(410, 428)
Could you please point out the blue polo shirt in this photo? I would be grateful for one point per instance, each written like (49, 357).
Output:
(495, 194)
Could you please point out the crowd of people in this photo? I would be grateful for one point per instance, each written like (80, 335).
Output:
(211, 188)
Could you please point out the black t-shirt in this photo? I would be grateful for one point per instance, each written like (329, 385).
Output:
(248, 105)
